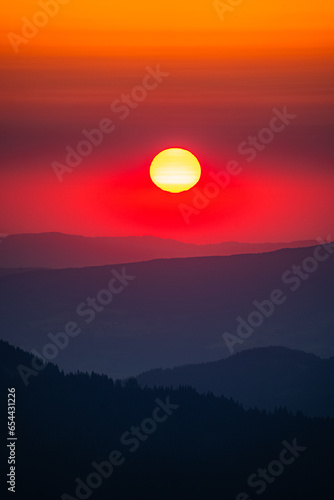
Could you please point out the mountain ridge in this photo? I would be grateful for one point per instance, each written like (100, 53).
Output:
(59, 250)
(174, 312)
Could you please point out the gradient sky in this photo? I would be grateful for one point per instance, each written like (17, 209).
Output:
(225, 77)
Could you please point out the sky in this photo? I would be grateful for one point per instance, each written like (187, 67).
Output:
(202, 76)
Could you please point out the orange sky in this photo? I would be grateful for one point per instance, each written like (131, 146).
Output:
(107, 27)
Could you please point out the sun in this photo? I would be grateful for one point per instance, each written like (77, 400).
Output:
(175, 170)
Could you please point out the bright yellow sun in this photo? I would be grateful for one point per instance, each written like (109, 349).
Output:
(175, 170)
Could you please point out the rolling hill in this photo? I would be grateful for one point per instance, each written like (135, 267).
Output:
(265, 378)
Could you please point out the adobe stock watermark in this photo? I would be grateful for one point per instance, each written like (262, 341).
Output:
(226, 7)
(260, 479)
(249, 148)
(88, 309)
(31, 28)
(93, 138)
(293, 278)
(132, 440)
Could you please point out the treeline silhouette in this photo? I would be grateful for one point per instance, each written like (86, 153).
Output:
(205, 449)
(264, 378)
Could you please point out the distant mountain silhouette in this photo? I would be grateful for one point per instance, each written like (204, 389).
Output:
(57, 250)
(264, 378)
(173, 313)
(201, 447)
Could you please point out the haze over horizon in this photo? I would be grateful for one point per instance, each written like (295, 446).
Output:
(59, 250)
(147, 235)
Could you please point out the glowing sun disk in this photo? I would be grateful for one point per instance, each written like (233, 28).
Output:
(175, 170)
